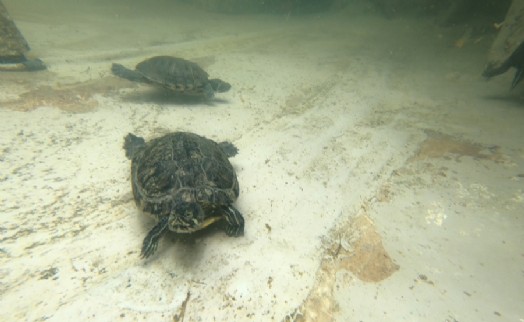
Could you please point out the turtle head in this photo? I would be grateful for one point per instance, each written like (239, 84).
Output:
(190, 217)
(133, 144)
(186, 218)
(219, 85)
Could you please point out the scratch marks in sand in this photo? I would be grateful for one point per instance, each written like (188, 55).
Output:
(182, 310)
(358, 250)
(77, 97)
(439, 145)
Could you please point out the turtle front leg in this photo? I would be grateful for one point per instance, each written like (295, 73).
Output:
(151, 241)
(234, 222)
(518, 76)
(208, 91)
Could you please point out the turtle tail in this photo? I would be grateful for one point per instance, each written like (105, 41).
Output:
(123, 72)
(133, 144)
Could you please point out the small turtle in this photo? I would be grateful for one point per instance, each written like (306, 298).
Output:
(176, 74)
(508, 48)
(186, 182)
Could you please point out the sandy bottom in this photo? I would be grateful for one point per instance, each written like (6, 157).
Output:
(381, 178)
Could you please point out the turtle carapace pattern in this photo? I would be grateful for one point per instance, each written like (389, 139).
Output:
(176, 74)
(186, 182)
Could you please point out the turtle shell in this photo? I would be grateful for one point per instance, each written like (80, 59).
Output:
(182, 167)
(13, 46)
(174, 73)
(507, 49)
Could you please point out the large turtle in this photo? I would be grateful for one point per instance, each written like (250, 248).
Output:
(186, 182)
(14, 47)
(508, 48)
(176, 74)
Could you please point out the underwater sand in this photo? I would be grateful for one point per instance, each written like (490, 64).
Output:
(380, 177)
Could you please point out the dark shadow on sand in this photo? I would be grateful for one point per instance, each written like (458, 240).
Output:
(515, 99)
(162, 96)
(187, 249)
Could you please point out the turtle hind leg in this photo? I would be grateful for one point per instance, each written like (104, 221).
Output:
(123, 72)
(151, 241)
(33, 65)
(234, 222)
